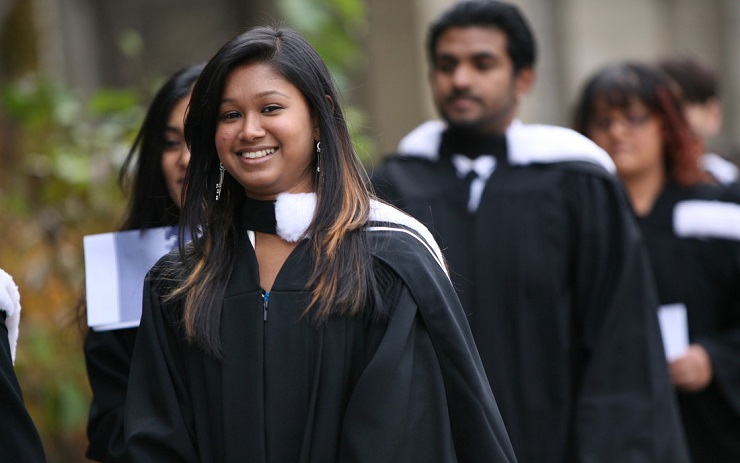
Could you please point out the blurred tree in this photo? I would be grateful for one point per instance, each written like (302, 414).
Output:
(60, 153)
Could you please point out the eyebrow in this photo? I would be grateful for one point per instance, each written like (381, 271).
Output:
(474, 56)
(259, 95)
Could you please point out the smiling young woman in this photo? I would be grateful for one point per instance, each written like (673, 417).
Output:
(306, 321)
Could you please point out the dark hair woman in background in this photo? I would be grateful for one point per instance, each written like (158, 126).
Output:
(692, 229)
(153, 174)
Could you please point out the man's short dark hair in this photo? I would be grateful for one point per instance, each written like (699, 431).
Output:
(489, 13)
(697, 81)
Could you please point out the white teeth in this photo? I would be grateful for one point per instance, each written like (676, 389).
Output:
(257, 154)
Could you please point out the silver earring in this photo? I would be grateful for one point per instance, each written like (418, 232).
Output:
(220, 183)
(318, 157)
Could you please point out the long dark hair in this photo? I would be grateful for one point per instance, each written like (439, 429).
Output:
(149, 203)
(622, 83)
(342, 279)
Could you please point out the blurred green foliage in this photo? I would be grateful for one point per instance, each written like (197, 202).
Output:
(61, 152)
(59, 182)
(336, 29)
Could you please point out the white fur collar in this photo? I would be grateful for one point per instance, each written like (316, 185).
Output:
(527, 144)
(10, 303)
(294, 212)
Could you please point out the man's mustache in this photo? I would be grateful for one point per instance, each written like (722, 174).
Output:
(463, 94)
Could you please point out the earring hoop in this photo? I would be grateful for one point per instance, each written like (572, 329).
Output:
(318, 157)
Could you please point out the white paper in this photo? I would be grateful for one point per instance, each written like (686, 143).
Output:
(115, 267)
(674, 328)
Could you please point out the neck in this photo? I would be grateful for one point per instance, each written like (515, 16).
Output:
(644, 189)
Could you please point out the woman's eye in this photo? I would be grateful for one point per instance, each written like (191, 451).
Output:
(169, 144)
(271, 108)
(230, 115)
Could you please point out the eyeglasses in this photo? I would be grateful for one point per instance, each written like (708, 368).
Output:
(628, 121)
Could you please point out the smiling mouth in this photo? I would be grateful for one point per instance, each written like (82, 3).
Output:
(257, 154)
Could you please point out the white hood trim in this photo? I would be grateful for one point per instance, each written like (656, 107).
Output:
(707, 219)
(527, 144)
(294, 213)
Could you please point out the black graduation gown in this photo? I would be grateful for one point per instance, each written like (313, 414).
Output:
(409, 390)
(554, 276)
(702, 272)
(19, 439)
(107, 359)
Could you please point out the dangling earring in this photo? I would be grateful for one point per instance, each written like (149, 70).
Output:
(318, 157)
(220, 183)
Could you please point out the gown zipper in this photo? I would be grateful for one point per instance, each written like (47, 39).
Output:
(265, 301)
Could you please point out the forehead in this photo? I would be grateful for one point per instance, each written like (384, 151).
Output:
(256, 78)
(606, 102)
(471, 40)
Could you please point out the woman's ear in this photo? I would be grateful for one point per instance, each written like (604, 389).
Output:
(316, 132)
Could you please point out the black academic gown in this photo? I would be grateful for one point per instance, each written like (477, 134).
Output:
(353, 389)
(554, 276)
(19, 439)
(107, 359)
(703, 273)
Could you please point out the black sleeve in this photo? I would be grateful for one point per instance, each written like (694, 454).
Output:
(626, 406)
(19, 439)
(107, 359)
(157, 415)
(424, 395)
(723, 343)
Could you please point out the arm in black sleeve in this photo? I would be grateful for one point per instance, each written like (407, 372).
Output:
(424, 395)
(107, 359)
(157, 414)
(626, 408)
(19, 439)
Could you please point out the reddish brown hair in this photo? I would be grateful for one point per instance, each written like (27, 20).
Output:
(619, 85)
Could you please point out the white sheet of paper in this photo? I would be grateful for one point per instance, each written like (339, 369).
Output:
(674, 328)
(115, 267)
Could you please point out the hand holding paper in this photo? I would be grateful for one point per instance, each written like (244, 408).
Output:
(674, 328)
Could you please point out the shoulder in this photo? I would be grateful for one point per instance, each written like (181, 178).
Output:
(168, 272)
(527, 144)
(395, 236)
(720, 168)
(548, 144)
(709, 216)
(423, 141)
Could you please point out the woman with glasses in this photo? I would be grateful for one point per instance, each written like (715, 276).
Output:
(692, 229)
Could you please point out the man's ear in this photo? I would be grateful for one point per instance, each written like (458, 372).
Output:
(524, 81)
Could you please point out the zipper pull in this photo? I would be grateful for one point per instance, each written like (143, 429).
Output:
(265, 300)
